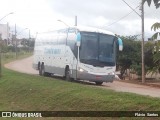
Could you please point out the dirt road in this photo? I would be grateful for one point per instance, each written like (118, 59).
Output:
(25, 66)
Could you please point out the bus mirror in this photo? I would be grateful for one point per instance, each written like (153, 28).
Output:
(78, 39)
(120, 43)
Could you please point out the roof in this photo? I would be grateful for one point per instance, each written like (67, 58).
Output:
(83, 29)
(93, 29)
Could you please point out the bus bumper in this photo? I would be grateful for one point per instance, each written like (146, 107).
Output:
(95, 78)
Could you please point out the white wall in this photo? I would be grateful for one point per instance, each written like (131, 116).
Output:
(4, 30)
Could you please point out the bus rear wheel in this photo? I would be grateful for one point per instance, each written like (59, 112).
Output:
(98, 83)
(67, 74)
(40, 70)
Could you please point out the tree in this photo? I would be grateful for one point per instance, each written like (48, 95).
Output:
(156, 56)
(155, 26)
(156, 2)
(130, 55)
(148, 52)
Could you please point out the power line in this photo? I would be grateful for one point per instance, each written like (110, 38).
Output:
(131, 8)
(121, 18)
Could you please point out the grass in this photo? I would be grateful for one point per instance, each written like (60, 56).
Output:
(11, 56)
(26, 92)
(23, 92)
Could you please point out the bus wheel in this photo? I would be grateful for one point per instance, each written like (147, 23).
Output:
(43, 73)
(40, 70)
(98, 83)
(67, 74)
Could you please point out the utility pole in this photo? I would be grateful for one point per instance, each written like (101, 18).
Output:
(142, 20)
(75, 20)
(29, 41)
(143, 64)
(16, 41)
(7, 33)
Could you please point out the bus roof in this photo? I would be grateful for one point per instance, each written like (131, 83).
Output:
(83, 29)
(93, 29)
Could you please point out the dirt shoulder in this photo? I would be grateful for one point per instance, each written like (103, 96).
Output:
(25, 66)
(148, 82)
(133, 88)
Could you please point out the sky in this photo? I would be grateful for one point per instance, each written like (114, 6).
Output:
(43, 15)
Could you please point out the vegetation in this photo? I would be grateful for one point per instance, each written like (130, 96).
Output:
(156, 2)
(130, 57)
(45, 93)
(28, 92)
(25, 46)
(23, 92)
(155, 27)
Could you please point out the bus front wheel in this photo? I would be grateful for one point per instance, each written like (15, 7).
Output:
(98, 83)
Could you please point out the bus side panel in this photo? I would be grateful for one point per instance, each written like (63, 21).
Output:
(71, 61)
(72, 52)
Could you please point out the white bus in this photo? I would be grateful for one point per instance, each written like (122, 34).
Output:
(81, 53)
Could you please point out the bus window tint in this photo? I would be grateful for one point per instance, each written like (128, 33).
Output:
(97, 49)
(106, 48)
(89, 46)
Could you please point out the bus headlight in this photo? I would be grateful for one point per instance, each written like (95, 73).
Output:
(111, 73)
(82, 70)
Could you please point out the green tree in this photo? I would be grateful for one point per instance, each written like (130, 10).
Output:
(148, 52)
(130, 57)
(156, 58)
(156, 2)
(155, 27)
(131, 54)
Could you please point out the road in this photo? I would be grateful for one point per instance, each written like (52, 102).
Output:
(25, 66)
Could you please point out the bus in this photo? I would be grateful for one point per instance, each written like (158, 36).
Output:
(80, 53)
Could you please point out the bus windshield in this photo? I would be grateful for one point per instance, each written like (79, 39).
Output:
(97, 49)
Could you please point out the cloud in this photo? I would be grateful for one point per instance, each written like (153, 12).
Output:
(42, 15)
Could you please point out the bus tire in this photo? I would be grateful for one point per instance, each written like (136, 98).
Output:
(98, 83)
(67, 74)
(43, 73)
(39, 69)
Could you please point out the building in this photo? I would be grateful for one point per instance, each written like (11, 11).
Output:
(5, 34)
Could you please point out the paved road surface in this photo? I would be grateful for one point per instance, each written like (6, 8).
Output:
(25, 66)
